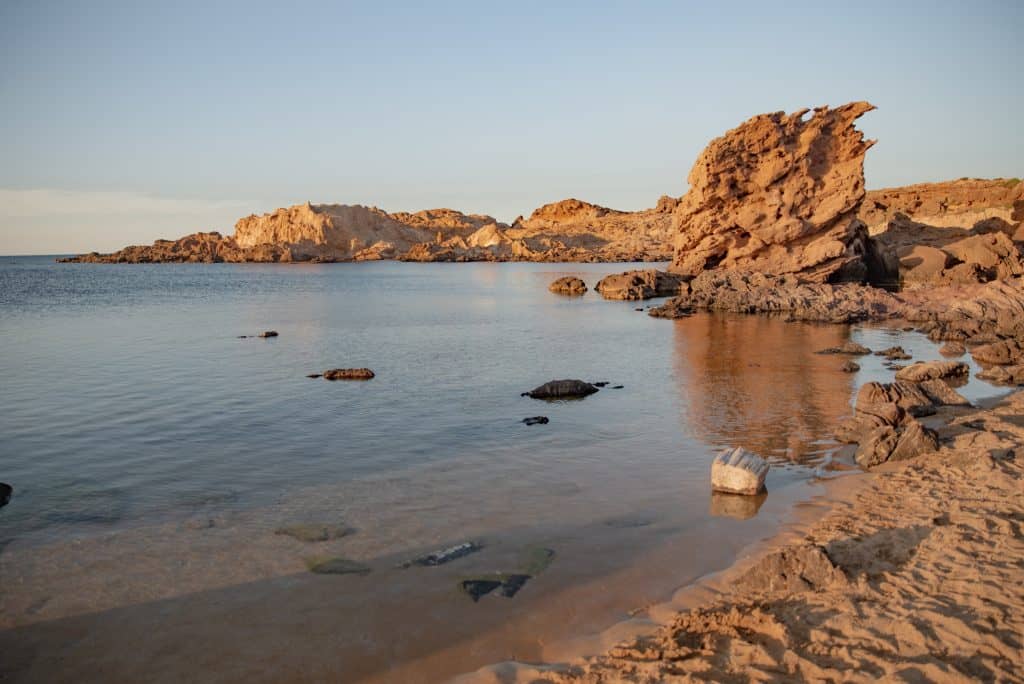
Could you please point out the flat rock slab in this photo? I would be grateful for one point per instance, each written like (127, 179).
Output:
(348, 374)
(443, 556)
(737, 471)
(933, 370)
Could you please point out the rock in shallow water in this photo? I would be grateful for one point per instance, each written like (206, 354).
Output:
(336, 566)
(933, 370)
(849, 367)
(536, 420)
(562, 389)
(635, 285)
(445, 555)
(6, 491)
(851, 348)
(348, 374)
(268, 333)
(568, 285)
(737, 471)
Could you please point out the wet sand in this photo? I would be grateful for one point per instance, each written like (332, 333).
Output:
(930, 586)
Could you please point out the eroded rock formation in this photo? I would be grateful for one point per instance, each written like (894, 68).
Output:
(779, 195)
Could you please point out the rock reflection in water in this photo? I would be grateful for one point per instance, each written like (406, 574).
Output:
(736, 506)
(755, 382)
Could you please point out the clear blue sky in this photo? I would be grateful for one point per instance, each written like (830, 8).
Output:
(128, 121)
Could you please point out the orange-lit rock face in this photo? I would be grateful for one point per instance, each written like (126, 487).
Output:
(778, 194)
(755, 382)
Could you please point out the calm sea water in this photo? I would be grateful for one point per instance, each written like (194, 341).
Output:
(153, 452)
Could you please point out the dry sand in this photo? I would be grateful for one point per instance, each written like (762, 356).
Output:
(915, 573)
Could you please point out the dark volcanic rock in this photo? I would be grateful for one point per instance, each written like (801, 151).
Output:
(562, 389)
(348, 374)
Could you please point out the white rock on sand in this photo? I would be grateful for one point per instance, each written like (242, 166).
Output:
(737, 471)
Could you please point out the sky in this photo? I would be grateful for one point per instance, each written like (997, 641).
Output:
(124, 122)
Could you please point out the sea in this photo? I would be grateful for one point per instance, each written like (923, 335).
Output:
(181, 485)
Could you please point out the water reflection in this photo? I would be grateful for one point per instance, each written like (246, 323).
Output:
(755, 382)
(736, 506)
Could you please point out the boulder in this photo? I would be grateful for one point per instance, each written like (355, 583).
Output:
(562, 389)
(933, 370)
(941, 394)
(636, 285)
(348, 374)
(953, 349)
(1004, 375)
(779, 195)
(737, 471)
(568, 285)
(894, 354)
(888, 443)
(849, 367)
(922, 264)
(1002, 353)
(793, 569)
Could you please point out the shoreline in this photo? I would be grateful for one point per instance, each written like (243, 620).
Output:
(781, 612)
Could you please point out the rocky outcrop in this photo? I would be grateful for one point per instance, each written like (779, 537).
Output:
(922, 254)
(933, 370)
(779, 195)
(637, 285)
(570, 230)
(744, 292)
(569, 285)
(956, 203)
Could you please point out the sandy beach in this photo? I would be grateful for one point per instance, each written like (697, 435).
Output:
(912, 572)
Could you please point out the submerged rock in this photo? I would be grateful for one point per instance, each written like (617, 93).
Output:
(536, 420)
(568, 285)
(314, 532)
(445, 555)
(562, 389)
(348, 374)
(737, 471)
(510, 585)
(336, 566)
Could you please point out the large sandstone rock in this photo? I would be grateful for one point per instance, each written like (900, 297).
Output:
(778, 195)
(635, 285)
(1002, 353)
(951, 203)
(889, 443)
(737, 471)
